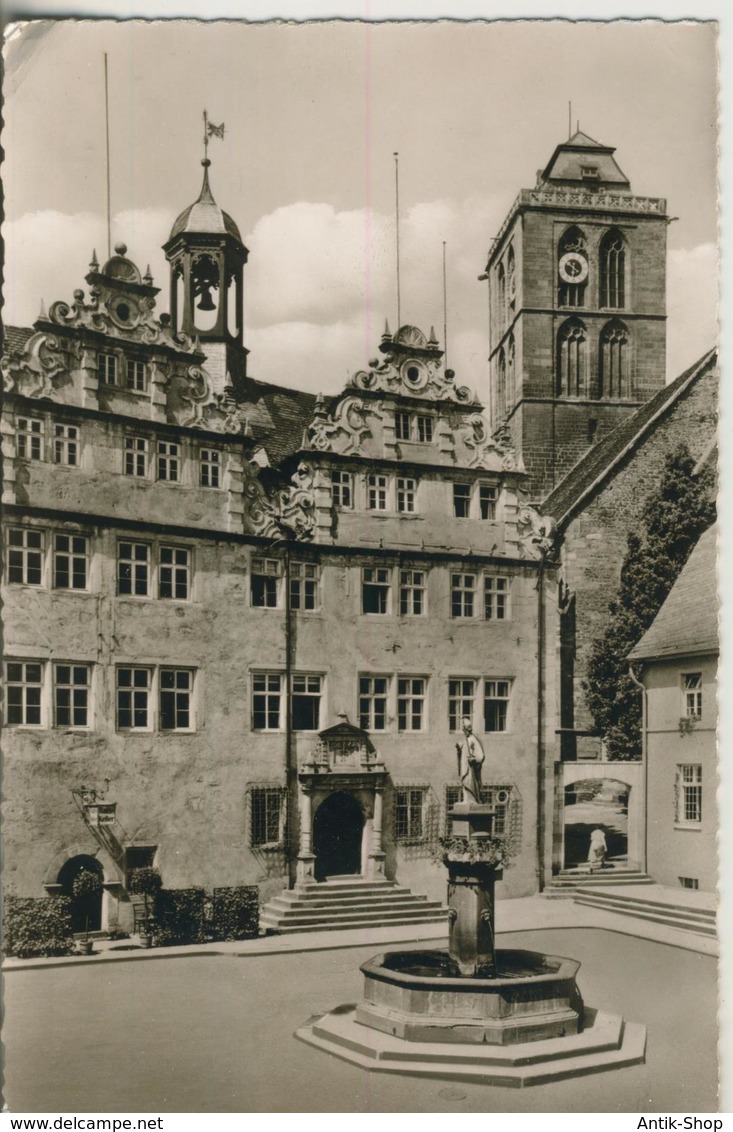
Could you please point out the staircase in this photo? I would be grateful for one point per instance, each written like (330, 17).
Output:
(348, 903)
(566, 883)
(688, 911)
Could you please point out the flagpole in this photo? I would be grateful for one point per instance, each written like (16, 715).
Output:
(106, 123)
(397, 229)
(445, 312)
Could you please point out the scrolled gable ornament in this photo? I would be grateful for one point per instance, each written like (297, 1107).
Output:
(35, 371)
(187, 393)
(345, 429)
(495, 453)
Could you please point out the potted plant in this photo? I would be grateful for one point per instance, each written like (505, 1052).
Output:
(146, 882)
(85, 886)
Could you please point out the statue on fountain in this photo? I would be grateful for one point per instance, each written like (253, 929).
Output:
(470, 761)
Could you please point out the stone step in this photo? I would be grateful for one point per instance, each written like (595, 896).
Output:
(565, 884)
(682, 919)
(289, 900)
(364, 922)
(297, 912)
(649, 903)
(347, 918)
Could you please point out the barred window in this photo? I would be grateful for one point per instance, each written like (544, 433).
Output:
(461, 701)
(424, 428)
(66, 444)
(133, 568)
(133, 698)
(342, 488)
(107, 369)
(265, 583)
(375, 587)
(23, 687)
(267, 689)
(409, 813)
(461, 500)
(496, 598)
(303, 585)
(70, 562)
(689, 794)
(377, 492)
(496, 703)
(136, 376)
(176, 692)
(500, 797)
(411, 703)
(169, 461)
(406, 491)
(306, 702)
(136, 456)
(29, 438)
(71, 695)
(412, 593)
(373, 693)
(25, 556)
(463, 594)
(488, 495)
(210, 467)
(174, 573)
(402, 426)
(267, 809)
(692, 693)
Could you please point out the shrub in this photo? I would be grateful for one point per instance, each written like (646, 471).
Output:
(236, 913)
(144, 882)
(179, 916)
(37, 926)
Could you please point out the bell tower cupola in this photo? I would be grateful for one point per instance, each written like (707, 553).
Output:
(207, 258)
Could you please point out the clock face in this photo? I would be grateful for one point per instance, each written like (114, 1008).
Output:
(573, 267)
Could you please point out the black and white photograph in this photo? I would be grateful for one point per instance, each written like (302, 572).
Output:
(360, 600)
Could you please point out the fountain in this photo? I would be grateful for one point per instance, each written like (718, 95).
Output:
(474, 1012)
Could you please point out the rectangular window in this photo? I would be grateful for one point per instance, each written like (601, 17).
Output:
(412, 593)
(409, 814)
(174, 573)
(107, 369)
(135, 376)
(70, 562)
(406, 491)
(29, 438)
(265, 583)
(66, 444)
(136, 456)
(210, 467)
(692, 692)
(461, 500)
(424, 428)
(306, 702)
(303, 585)
(496, 598)
(461, 701)
(375, 584)
(496, 703)
(377, 492)
(411, 703)
(342, 487)
(266, 700)
(373, 693)
(463, 595)
(71, 695)
(402, 426)
(689, 882)
(689, 794)
(267, 816)
(24, 683)
(176, 689)
(488, 495)
(25, 556)
(133, 699)
(133, 569)
(169, 461)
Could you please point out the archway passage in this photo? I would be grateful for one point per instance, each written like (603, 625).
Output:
(596, 803)
(337, 831)
(82, 907)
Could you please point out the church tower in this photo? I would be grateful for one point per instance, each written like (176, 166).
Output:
(577, 307)
(207, 258)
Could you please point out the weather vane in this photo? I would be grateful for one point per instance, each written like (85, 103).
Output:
(211, 131)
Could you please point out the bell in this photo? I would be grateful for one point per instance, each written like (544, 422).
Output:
(206, 303)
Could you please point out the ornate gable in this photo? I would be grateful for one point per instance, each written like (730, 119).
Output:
(412, 367)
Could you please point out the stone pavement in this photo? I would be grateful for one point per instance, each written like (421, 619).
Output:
(522, 914)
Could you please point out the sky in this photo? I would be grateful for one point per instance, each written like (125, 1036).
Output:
(314, 113)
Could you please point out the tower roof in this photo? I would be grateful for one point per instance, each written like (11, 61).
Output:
(582, 159)
(205, 215)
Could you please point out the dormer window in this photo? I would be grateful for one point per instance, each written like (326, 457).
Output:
(590, 173)
(107, 369)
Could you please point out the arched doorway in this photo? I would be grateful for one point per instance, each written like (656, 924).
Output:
(337, 835)
(85, 907)
(596, 803)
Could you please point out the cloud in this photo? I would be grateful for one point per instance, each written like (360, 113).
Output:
(692, 305)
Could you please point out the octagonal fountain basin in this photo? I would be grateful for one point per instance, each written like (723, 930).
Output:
(421, 996)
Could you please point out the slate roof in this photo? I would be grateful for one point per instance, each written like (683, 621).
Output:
(687, 623)
(600, 461)
(15, 338)
(276, 415)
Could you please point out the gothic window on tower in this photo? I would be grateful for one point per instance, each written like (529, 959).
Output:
(572, 269)
(613, 360)
(511, 279)
(501, 291)
(572, 359)
(613, 271)
(501, 385)
(511, 356)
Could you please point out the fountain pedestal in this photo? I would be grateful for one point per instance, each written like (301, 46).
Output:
(473, 869)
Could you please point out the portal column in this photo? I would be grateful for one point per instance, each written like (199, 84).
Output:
(306, 859)
(377, 856)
